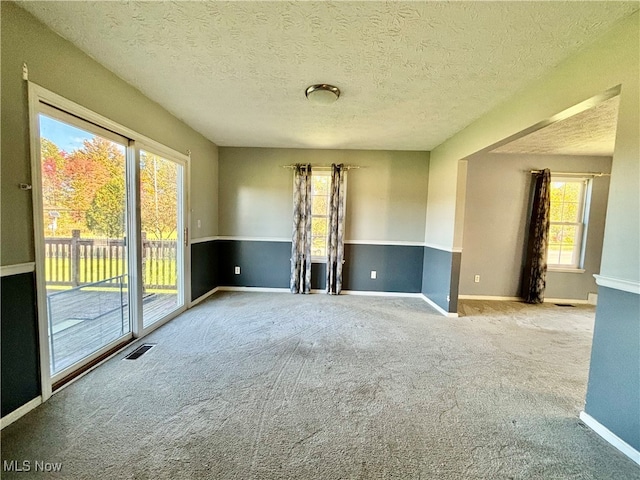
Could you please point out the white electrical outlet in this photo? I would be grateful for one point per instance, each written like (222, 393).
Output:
(236, 270)
(199, 223)
(476, 279)
(374, 274)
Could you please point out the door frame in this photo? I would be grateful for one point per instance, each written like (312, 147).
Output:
(38, 95)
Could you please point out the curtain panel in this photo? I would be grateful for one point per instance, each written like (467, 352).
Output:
(301, 235)
(335, 240)
(536, 264)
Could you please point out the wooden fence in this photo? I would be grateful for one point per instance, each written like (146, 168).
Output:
(79, 261)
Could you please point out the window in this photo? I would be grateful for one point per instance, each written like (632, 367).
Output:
(320, 187)
(567, 229)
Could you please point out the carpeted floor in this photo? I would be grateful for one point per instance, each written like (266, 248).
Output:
(277, 386)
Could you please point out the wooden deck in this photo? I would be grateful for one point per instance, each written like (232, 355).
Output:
(83, 321)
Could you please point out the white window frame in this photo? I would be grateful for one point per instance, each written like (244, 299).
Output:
(320, 173)
(581, 234)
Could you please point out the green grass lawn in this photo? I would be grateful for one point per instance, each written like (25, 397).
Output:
(155, 272)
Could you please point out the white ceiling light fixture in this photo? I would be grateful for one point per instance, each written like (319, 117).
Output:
(322, 94)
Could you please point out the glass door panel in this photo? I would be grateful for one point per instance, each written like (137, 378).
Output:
(161, 215)
(84, 199)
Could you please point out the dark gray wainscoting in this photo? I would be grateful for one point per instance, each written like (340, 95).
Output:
(613, 392)
(262, 264)
(267, 264)
(441, 277)
(319, 276)
(204, 268)
(398, 268)
(19, 341)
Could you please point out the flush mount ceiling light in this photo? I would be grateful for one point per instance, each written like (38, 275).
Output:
(322, 94)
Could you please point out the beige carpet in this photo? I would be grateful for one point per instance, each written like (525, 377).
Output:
(278, 386)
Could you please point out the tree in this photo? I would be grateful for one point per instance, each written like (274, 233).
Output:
(158, 196)
(53, 163)
(88, 169)
(106, 214)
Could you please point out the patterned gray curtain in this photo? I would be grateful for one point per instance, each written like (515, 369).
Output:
(335, 242)
(301, 236)
(536, 264)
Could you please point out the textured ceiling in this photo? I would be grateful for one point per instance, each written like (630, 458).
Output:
(591, 132)
(412, 74)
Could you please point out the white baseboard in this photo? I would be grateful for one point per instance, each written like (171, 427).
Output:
(489, 297)
(203, 297)
(610, 437)
(566, 300)
(321, 291)
(344, 292)
(372, 293)
(20, 412)
(592, 300)
(253, 289)
(438, 307)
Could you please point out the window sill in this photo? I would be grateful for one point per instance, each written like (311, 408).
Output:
(565, 270)
(318, 260)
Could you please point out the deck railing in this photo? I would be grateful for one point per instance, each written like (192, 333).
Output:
(79, 261)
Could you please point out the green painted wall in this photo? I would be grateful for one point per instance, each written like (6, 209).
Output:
(57, 65)
(386, 198)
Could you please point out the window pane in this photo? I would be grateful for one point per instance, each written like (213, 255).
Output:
(556, 212)
(319, 206)
(568, 236)
(572, 191)
(566, 257)
(320, 184)
(553, 255)
(319, 246)
(161, 227)
(84, 204)
(570, 212)
(319, 227)
(555, 234)
(557, 192)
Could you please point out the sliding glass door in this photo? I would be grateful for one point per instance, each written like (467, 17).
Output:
(84, 207)
(110, 225)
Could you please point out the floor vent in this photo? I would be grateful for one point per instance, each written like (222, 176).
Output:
(141, 350)
(564, 305)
